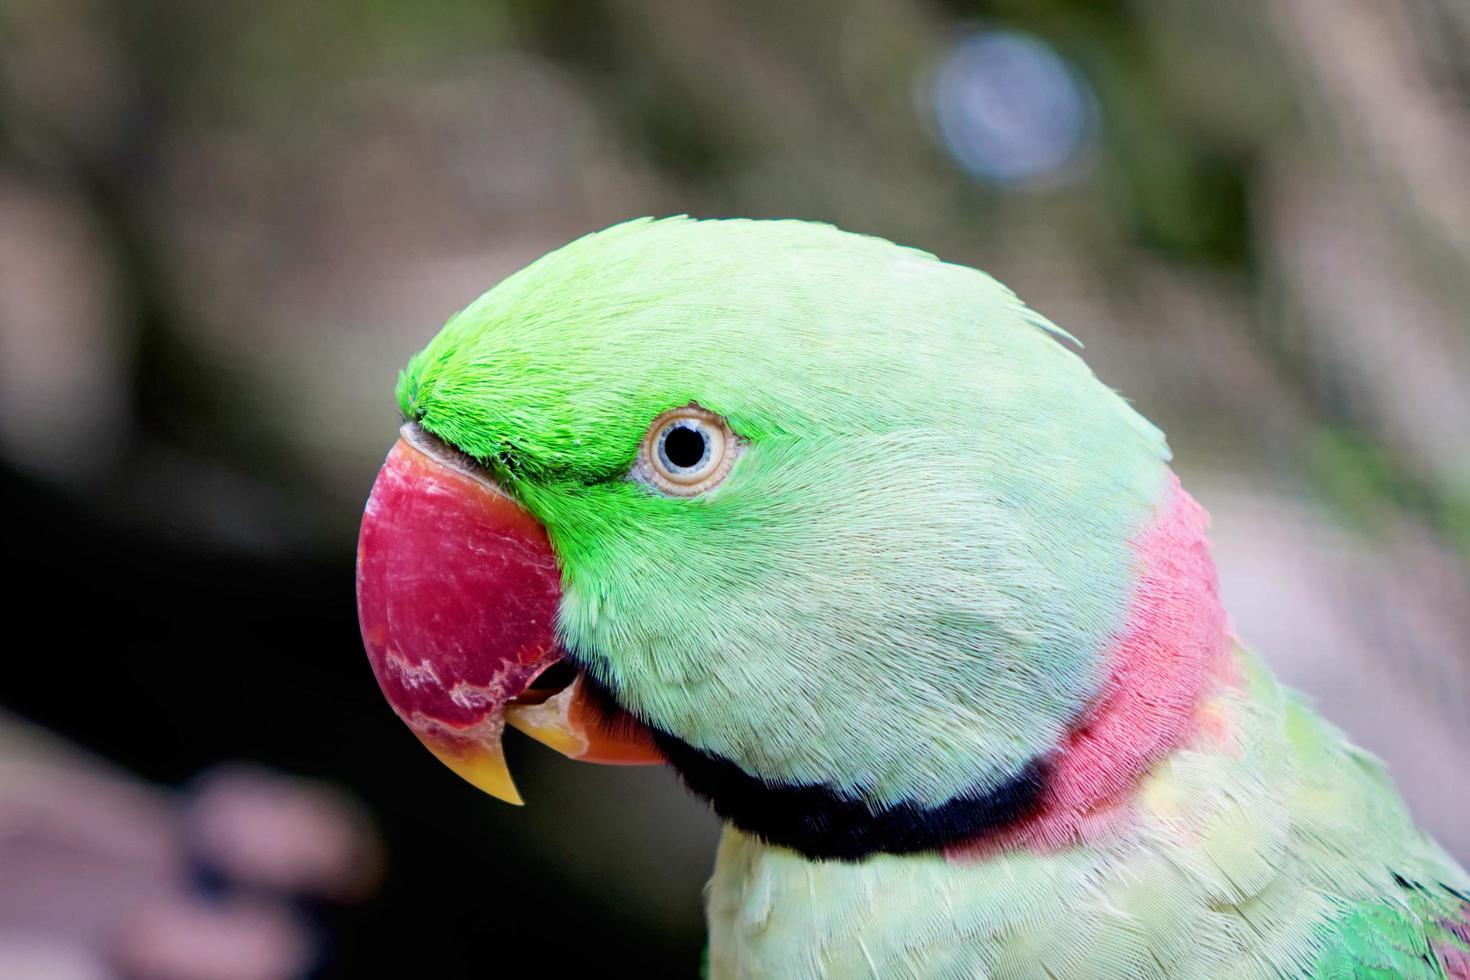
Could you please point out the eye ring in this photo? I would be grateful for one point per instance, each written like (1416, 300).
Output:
(686, 451)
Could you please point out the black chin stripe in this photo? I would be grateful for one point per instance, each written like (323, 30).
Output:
(818, 823)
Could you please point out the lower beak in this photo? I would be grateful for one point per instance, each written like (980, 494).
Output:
(457, 591)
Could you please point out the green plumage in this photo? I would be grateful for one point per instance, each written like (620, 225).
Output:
(1279, 857)
(891, 496)
(913, 584)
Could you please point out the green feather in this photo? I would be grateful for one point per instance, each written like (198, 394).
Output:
(1273, 854)
(904, 590)
(921, 474)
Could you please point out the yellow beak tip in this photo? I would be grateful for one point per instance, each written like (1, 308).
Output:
(483, 767)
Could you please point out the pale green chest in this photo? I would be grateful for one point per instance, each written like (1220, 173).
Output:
(1240, 856)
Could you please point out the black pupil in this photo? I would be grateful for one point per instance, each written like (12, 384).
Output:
(684, 446)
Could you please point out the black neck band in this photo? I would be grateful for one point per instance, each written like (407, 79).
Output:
(819, 824)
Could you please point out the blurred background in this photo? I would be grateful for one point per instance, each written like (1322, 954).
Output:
(224, 226)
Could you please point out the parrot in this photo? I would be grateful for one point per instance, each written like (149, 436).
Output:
(854, 541)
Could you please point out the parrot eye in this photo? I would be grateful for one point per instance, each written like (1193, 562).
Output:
(687, 451)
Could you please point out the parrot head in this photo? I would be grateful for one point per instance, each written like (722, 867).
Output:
(843, 532)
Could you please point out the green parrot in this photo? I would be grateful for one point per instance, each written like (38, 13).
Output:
(855, 542)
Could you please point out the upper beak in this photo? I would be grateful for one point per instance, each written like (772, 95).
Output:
(457, 591)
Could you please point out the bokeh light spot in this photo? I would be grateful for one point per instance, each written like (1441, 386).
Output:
(1009, 109)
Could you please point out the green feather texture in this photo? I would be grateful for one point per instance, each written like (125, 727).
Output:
(1287, 855)
(908, 588)
(902, 589)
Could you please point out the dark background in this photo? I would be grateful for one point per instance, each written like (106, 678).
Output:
(224, 226)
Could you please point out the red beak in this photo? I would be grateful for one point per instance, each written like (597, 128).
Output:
(457, 591)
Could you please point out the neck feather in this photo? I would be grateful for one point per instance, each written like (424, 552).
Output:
(1171, 653)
